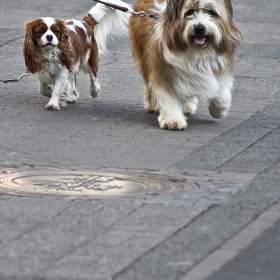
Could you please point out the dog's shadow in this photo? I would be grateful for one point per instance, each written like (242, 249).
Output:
(116, 112)
(136, 115)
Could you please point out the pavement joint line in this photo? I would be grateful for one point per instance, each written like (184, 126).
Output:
(39, 224)
(247, 147)
(88, 241)
(231, 249)
(153, 248)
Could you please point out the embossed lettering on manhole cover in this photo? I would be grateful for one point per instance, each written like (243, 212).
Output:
(75, 184)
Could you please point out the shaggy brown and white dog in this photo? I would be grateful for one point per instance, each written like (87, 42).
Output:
(56, 50)
(185, 55)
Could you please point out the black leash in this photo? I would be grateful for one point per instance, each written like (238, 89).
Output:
(127, 10)
(27, 73)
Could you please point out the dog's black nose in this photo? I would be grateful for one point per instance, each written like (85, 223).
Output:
(49, 38)
(200, 29)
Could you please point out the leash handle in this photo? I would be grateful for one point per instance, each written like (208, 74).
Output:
(124, 9)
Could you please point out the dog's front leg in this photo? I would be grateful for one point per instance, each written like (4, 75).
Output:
(219, 106)
(171, 114)
(58, 89)
(45, 90)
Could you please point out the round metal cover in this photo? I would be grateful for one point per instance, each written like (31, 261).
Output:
(81, 184)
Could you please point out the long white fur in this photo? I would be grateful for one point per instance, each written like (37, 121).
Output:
(111, 23)
(194, 75)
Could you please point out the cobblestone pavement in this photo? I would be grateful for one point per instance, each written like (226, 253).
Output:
(228, 217)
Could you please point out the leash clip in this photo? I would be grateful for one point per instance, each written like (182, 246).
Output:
(143, 14)
(127, 10)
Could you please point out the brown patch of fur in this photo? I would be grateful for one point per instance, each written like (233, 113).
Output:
(31, 55)
(173, 31)
(231, 35)
(93, 60)
(90, 21)
(68, 53)
(147, 52)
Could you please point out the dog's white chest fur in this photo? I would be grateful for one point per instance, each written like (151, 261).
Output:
(51, 66)
(196, 74)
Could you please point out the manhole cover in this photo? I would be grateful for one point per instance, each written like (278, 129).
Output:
(75, 184)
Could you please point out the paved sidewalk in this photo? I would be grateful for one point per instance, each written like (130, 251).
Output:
(229, 216)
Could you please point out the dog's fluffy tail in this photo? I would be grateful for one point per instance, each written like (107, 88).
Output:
(111, 23)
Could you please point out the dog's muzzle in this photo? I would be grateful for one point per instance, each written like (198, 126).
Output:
(200, 37)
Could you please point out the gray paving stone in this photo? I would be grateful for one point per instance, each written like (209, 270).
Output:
(135, 239)
(253, 128)
(259, 261)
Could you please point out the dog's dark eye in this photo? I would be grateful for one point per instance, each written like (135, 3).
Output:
(40, 32)
(56, 31)
(211, 12)
(189, 12)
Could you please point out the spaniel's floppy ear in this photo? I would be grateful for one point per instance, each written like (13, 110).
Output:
(32, 58)
(67, 54)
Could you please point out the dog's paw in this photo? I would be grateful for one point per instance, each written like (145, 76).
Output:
(216, 112)
(172, 123)
(51, 106)
(190, 108)
(150, 106)
(190, 105)
(95, 89)
(76, 94)
(50, 87)
(62, 103)
(151, 109)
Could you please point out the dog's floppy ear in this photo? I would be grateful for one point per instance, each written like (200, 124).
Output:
(229, 7)
(232, 36)
(173, 9)
(174, 26)
(67, 54)
(32, 58)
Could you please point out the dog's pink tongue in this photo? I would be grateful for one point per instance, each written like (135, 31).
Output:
(200, 41)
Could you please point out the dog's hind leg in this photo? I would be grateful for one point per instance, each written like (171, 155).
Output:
(45, 89)
(94, 86)
(190, 105)
(219, 106)
(150, 102)
(91, 68)
(73, 91)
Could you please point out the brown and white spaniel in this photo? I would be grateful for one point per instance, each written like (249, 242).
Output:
(56, 50)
